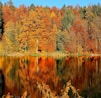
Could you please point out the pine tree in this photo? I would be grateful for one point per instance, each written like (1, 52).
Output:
(67, 19)
(1, 21)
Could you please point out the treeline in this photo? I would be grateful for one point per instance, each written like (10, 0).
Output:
(69, 29)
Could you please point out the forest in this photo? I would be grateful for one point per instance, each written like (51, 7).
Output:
(69, 29)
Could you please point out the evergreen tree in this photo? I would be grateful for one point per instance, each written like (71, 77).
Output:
(67, 19)
(83, 12)
(60, 43)
(32, 7)
(96, 9)
(11, 5)
(1, 21)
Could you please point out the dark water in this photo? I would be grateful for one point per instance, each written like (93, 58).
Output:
(22, 73)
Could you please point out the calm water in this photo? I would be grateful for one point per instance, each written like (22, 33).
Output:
(21, 74)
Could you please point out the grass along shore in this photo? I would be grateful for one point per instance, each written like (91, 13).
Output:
(52, 54)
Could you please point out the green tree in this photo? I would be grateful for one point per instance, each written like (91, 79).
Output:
(32, 7)
(1, 4)
(1, 21)
(83, 12)
(11, 5)
(90, 18)
(10, 36)
(96, 9)
(60, 42)
(64, 8)
(67, 19)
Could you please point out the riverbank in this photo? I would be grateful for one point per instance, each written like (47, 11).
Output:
(52, 54)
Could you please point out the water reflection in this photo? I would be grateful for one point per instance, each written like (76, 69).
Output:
(22, 73)
(2, 83)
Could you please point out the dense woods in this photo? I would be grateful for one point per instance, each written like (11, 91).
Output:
(69, 29)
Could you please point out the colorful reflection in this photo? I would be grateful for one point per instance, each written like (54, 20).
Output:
(22, 74)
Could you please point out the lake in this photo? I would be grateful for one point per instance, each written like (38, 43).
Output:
(22, 74)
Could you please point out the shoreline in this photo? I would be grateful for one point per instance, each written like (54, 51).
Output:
(52, 54)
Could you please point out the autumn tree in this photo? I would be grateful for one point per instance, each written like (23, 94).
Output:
(48, 29)
(79, 29)
(37, 26)
(8, 14)
(90, 28)
(56, 17)
(30, 30)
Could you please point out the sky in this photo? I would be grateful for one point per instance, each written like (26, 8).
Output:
(51, 3)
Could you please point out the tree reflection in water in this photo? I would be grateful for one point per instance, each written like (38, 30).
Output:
(2, 83)
(85, 74)
(22, 74)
